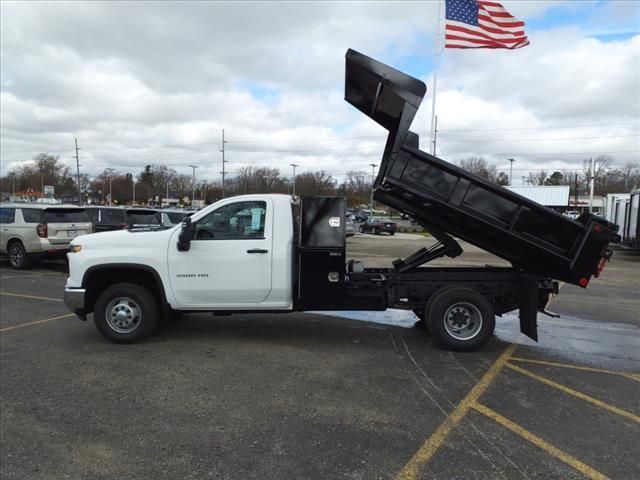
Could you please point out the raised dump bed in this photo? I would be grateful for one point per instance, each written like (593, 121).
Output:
(448, 200)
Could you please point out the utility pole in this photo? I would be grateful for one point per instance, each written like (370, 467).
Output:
(294, 178)
(523, 177)
(193, 182)
(13, 179)
(133, 187)
(511, 172)
(373, 177)
(109, 170)
(223, 162)
(592, 183)
(575, 191)
(435, 135)
(78, 173)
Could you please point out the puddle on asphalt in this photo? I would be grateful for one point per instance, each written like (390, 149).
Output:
(600, 344)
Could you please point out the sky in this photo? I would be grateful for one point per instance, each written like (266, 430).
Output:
(148, 82)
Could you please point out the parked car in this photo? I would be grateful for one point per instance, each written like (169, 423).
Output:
(106, 219)
(378, 225)
(38, 231)
(360, 216)
(349, 228)
(173, 217)
(143, 218)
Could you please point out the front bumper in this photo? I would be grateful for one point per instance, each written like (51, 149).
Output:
(74, 300)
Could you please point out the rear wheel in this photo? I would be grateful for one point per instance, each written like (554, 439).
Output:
(460, 318)
(376, 231)
(126, 313)
(18, 258)
(361, 229)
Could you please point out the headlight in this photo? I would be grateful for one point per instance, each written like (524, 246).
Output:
(75, 248)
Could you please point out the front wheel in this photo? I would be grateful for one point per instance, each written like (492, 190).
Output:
(460, 318)
(126, 313)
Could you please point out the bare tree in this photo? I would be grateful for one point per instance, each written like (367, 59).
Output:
(537, 178)
(602, 165)
(315, 183)
(480, 167)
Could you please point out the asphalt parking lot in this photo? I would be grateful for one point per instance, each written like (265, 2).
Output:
(318, 396)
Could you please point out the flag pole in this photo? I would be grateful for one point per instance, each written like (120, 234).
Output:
(438, 51)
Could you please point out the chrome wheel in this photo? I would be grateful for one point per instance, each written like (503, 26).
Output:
(123, 315)
(463, 321)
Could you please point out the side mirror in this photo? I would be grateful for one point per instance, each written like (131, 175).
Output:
(186, 235)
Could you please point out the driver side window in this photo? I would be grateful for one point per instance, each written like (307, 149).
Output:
(236, 221)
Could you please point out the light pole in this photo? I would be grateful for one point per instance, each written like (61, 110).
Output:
(373, 177)
(133, 188)
(109, 170)
(223, 162)
(294, 178)
(193, 183)
(511, 171)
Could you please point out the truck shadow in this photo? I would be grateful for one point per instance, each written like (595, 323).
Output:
(298, 330)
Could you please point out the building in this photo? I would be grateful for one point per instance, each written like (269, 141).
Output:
(552, 196)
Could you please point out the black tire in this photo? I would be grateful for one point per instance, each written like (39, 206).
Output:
(126, 313)
(361, 229)
(392, 233)
(18, 257)
(460, 319)
(376, 231)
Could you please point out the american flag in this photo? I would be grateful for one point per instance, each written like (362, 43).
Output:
(482, 24)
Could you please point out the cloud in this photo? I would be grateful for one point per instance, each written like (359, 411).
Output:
(141, 83)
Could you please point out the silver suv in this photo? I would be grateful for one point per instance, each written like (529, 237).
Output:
(35, 231)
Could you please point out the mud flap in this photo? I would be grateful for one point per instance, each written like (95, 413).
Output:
(529, 307)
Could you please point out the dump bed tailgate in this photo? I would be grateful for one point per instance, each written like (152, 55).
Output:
(438, 194)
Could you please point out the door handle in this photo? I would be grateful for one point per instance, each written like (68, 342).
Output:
(257, 250)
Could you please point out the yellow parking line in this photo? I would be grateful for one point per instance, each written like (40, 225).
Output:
(413, 468)
(6, 329)
(575, 393)
(632, 376)
(32, 297)
(539, 442)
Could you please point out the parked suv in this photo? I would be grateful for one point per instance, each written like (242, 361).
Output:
(35, 231)
(106, 219)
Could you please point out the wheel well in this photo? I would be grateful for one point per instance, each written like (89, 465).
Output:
(12, 241)
(99, 280)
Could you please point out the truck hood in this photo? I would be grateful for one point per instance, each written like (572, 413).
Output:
(123, 237)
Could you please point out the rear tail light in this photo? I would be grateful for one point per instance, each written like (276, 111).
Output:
(43, 230)
(124, 226)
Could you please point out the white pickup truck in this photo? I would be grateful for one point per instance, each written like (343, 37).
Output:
(272, 253)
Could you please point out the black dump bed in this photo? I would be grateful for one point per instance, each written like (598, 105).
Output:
(441, 196)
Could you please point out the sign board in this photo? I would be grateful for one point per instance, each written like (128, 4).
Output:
(48, 191)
